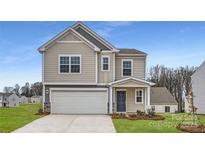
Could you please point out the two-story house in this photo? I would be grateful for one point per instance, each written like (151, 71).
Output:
(85, 74)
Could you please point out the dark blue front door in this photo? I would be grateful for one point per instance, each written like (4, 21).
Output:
(121, 101)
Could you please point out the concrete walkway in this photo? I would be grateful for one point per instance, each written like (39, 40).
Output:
(70, 124)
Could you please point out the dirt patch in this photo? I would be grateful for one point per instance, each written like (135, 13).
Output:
(191, 128)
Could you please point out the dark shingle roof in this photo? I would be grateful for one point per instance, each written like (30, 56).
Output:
(5, 94)
(161, 96)
(130, 51)
(91, 39)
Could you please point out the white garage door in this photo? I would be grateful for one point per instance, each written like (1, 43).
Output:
(79, 102)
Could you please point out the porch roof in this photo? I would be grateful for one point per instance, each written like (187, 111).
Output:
(131, 82)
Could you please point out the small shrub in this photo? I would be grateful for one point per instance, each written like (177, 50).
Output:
(150, 112)
(118, 115)
(140, 112)
(40, 110)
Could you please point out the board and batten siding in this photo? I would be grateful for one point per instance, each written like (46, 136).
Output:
(198, 87)
(88, 64)
(105, 76)
(138, 66)
(161, 108)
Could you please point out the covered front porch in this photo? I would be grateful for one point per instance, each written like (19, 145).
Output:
(129, 95)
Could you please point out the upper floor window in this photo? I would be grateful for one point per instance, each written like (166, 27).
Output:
(138, 96)
(70, 64)
(127, 67)
(105, 63)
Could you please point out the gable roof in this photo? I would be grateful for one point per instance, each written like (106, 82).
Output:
(5, 94)
(161, 96)
(198, 69)
(84, 33)
(130, 51)
(132, 78)
(45, 45)
(93, 37)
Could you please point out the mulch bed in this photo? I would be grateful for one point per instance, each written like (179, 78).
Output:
(191, 128)
(137, 116)
(145, 117)
(42, 113)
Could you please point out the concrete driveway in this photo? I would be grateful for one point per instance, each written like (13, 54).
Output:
(70, 124)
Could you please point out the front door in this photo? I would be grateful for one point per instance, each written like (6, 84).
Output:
(121, 101)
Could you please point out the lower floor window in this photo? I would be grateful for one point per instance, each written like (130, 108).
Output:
(138, 96)
(167, 108)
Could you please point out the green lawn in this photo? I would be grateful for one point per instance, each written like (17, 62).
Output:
(13, 118)
(150, 126)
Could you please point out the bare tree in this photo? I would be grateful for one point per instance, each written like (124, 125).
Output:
(8, 89)
(177, 81)
(16, 89)
(25, 90)
(36, 88)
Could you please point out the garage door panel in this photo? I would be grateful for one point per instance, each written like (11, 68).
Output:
(79, 102)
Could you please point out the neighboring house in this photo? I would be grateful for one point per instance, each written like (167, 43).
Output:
(85, 74)
(162, 101)
(23, 99)
(1, 99)
(198, 88)
(9, 100)
(36, 99)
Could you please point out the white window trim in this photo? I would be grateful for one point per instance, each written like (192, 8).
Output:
(168, 107)
(138, 89)
(105, 56)
(69, 55)
(122, 67)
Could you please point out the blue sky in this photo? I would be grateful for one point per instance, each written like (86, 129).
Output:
(172, 44)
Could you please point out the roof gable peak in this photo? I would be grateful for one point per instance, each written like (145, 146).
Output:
(43, 47)
(81, 25)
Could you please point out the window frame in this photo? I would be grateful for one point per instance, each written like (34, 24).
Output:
(167, 107)
(139, 89)
(69, 55)
(102, 63)
(131, 60)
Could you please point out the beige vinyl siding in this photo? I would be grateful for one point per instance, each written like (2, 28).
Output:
(69, 37)
(138, 66)
(88, 69)
(130, 100)
(105, 76)
(130, 84)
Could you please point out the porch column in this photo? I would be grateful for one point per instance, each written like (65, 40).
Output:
(148, 97)
(110, 101)
(43, 96)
